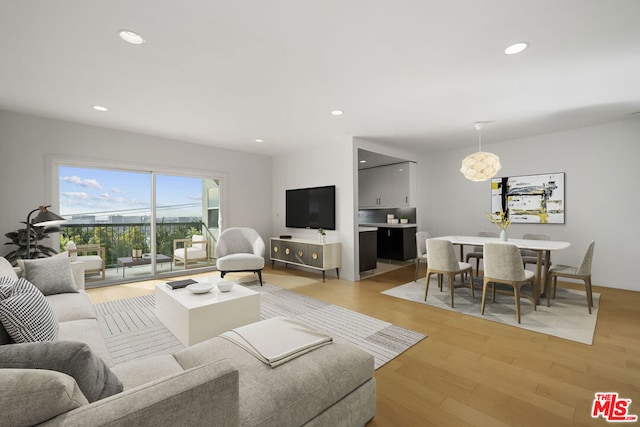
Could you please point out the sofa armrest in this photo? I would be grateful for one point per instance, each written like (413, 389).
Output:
(77, 268)
(202, 396)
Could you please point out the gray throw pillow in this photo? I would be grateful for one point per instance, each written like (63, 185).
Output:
(50, 275)
(74, 358)
(26, 314)
(33, 396)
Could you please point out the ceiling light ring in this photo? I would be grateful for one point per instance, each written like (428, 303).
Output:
(131, 37)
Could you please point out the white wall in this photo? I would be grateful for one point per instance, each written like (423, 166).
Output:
(602, 198)
(602, 194)
(330, 164)
(28, 143)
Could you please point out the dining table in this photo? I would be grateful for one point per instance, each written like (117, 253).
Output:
(543, 249)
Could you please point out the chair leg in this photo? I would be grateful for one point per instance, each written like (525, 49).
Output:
(587, 285)
(260, 276)
(484, 294)
(477, 266)
(440, 277)
(222, 273)
(415, 278)
(516, 293)
(471, 284)
(451, 278)
(426, 291)
(549, 284)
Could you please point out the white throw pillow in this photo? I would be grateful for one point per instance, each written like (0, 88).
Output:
(6, 269)
(71, 245)
(198, 238)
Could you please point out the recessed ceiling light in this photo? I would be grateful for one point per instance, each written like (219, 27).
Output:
(516, 48)
(131, 37)
(100, 108)
(337, 112)
(259, 140)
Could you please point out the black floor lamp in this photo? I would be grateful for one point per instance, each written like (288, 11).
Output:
(43, 219)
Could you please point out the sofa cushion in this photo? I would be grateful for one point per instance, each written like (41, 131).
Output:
(292, 393)
(235, 262)
(32, 396)
(26, 314)
(50, 275)
(192, 253)
(72, 306)
(74, 358)
(142, 371)
(91, 262)
(88, 332)
(6, 269)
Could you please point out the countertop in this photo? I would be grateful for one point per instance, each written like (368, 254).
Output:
(387, 225)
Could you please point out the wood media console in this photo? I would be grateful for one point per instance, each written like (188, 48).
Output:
(307, 253)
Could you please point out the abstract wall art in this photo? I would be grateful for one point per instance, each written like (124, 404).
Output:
(530, 198)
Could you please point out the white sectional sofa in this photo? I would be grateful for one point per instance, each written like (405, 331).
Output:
(212, 383)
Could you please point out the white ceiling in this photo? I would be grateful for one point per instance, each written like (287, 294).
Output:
(414, 74)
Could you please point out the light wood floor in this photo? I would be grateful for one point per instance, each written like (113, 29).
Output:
(474, 372)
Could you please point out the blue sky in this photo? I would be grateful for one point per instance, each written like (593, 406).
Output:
(109, 192)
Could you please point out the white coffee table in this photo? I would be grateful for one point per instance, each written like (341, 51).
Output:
(193, 318)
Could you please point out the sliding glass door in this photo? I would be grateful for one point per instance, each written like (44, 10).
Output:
(187, 216)
(147, 223)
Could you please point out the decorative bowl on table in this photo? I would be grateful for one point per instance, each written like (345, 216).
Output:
(200, 288)
(225, 285)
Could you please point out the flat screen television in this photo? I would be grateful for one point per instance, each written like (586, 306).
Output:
(311, 207)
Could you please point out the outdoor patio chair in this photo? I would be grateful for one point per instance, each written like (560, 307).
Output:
(191, 251)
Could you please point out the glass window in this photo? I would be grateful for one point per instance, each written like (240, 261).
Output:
(143, 220)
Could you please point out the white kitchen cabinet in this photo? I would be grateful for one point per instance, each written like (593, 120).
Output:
(390, 186)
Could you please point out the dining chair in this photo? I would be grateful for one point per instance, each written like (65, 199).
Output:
(441, 260)
(529, 256)
(477, 250)
(503, 264)
(582, 272)
(421, 250)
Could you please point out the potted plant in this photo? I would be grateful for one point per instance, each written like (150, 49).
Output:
(36, 248)
(501, 219)
(136, 250)
(322, 234)
(404, 219)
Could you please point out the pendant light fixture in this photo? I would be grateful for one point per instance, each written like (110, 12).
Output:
(480, 166)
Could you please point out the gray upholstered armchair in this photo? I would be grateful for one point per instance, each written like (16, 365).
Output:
(240, 249)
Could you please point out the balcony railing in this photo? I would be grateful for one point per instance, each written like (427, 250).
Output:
(118, 239)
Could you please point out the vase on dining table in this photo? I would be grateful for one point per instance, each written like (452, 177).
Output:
(503, 235)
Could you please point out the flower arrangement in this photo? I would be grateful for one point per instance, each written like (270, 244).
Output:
(501, 219)
(321, 231)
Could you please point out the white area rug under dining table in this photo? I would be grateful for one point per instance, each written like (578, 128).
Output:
(567, 317)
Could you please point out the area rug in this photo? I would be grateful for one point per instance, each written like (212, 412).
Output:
(132, 331)
(567, 317)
